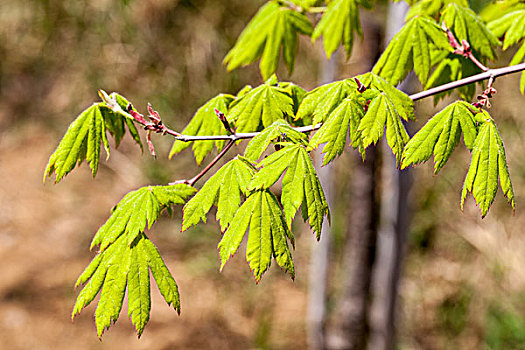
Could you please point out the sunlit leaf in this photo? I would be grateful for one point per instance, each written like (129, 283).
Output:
(268, 235)
(487, 165)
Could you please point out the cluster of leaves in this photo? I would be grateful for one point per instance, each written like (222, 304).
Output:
(511, 27)
(440, 136)
(363, 113)
(276, 25)
(422, 44)
(357, 112)
(126, 256)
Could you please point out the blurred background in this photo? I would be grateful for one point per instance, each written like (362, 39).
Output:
(460, 280)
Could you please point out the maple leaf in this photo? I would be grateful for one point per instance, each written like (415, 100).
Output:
(440, 135)
(270, 29)
(487, 165)
(300, 184)
(268, 235)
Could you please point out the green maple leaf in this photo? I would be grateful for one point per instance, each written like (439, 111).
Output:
(338, 25)
(300, 184)
(441, 134)
(411, 49)
(205, 122)
(268, 235)
(125, 258)
(82, 140)
(278, 130)
(488, 163)
(320, 102)
(512, 28)
(344, 120)
(466, 25)
(385, 110)
(122, 265)
(224, 189)
(270, 29)
(138, 210)
(260, 107)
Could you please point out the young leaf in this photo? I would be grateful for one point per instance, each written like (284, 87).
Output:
(440, 136)
(83, 137)
(137, 210)
(335, 129)
(224, 189)
(267, 237)
(320, 102)
(510, 26)
(278, 130)
(338, 25)
(300, 184)
(270, 29)
(205, 122)
(466, 25)
(386, 109)
(122, 265)
(260, 107)
(81, 142)
(487, 164)
(411, 49)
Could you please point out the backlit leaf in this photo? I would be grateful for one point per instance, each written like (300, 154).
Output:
(466, 25)
(260, 107)
(344, 120)
(268, 235)
(270, 29)
(83, 138)
(441, 134)
(320, 102)
(339, 24)
(278, 130)
(411, 49)
(487, 165)
(300, 184)
(137, 211)
(223, 189)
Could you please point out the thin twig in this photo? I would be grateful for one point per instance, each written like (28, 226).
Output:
(196, 178)
(469, 80)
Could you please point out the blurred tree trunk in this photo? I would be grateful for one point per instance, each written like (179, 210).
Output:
(394, 221)
(317, 283)
(349, 328)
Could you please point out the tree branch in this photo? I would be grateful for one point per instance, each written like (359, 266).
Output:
(489, 74)
(415, 97)
(469, 80)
